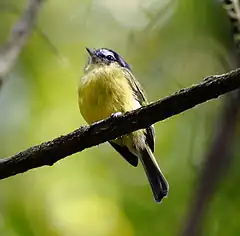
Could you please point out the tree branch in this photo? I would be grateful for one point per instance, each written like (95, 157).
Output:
(219, 157)
(18, 38)
(87, 136)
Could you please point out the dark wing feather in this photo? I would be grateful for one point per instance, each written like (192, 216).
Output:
(126, 154)
(141, 98)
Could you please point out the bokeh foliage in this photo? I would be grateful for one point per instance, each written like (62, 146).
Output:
(170, 44)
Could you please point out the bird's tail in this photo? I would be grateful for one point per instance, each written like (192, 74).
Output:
(156, 178)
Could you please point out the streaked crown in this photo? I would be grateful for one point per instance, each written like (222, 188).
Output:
(106, 56)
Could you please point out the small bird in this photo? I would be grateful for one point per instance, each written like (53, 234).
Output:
(108, 88)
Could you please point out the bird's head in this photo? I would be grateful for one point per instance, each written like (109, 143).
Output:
(104, 56)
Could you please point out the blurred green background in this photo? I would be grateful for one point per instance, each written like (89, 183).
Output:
(170, 44)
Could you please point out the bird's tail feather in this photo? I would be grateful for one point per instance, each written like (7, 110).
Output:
(156, 178)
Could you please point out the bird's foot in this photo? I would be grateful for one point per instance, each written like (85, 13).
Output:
(115, 115)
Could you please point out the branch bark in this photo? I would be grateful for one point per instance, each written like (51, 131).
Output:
(87, 136)
(18, 38)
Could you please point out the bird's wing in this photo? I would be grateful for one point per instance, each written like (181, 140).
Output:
(141, 98)
(136, 87)
(125, 153)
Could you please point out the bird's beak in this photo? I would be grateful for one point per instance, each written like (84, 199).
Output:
(90, 52)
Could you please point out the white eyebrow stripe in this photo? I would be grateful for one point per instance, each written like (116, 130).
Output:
(107, 52)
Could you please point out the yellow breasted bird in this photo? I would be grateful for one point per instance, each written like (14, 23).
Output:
(107, 88)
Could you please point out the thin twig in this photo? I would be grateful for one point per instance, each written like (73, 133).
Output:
(18, 38)
(87, 136)
(217, 163)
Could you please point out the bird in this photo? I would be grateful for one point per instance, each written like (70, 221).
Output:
(109, 88)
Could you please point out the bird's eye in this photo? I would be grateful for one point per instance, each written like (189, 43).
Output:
(110, 58)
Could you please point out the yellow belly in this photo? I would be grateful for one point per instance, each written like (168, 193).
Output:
(105, 91)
